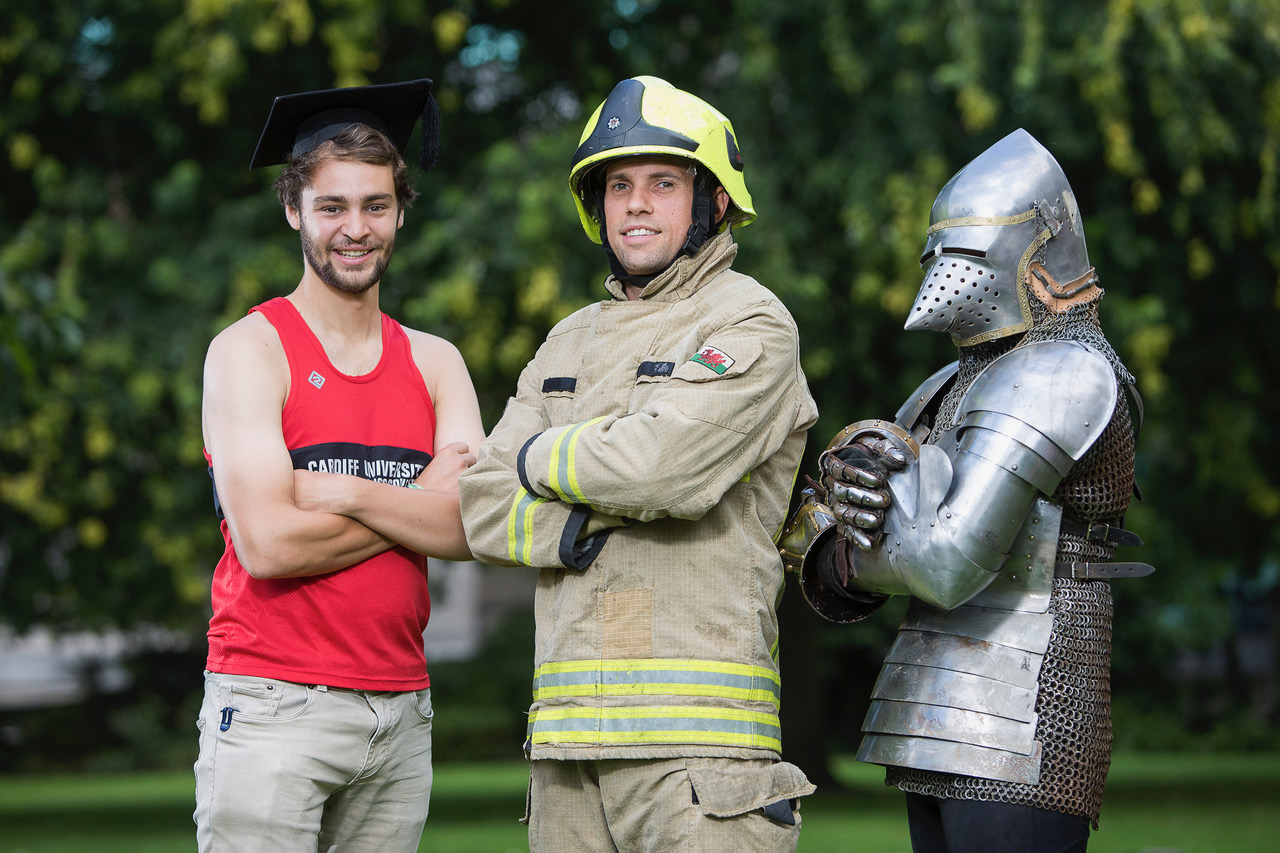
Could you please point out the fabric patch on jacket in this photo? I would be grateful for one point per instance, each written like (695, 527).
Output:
(559, 383)
(655, 368)
(716, 359)
(626, 621)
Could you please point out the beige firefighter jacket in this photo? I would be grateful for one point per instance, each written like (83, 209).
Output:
(645, 466)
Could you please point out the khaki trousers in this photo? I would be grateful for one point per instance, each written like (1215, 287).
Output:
(690, 805)
(287, 767)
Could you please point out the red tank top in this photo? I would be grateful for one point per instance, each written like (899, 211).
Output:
(360, 627)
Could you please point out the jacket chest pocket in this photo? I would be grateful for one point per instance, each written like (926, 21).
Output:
(558, 396)
(650, 376)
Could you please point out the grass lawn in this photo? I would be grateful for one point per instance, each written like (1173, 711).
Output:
(1154, 804)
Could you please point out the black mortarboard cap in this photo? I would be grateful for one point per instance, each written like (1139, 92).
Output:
(300, 122)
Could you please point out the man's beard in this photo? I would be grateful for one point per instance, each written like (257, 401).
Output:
(347, 282)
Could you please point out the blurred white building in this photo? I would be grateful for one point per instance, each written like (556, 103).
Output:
(41, 669)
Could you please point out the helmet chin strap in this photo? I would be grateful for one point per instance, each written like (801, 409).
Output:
(702, 227)
(699, 231)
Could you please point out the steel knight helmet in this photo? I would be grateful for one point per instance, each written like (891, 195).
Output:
(1006, 222)
(647, 115)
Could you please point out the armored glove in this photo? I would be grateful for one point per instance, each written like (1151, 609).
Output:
(855, 469)
(854, 476)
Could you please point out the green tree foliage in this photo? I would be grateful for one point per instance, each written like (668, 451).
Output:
(134, 232)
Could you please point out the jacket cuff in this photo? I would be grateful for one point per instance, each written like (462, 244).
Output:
(575, 554)
(520, 471)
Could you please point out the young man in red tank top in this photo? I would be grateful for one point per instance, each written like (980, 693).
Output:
(335, 438)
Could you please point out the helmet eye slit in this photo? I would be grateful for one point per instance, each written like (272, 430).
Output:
(956, 250)
(939, 251)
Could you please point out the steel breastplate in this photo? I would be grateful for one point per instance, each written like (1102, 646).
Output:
(958, 689)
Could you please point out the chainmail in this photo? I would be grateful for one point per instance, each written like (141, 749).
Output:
(1073, 702)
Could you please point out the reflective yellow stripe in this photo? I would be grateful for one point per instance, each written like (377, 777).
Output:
(573, 461)
(562, 473)
(553, 465)
(656, 677)
(656, 724)
(520, 527)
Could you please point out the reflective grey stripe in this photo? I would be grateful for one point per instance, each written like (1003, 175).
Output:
(520, 527)
(563, 473)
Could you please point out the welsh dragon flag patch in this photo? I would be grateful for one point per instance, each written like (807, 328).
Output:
(717, 360)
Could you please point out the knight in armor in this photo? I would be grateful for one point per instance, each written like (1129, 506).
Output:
(995, 498)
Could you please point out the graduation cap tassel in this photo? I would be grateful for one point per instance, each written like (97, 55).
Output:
(430, 134)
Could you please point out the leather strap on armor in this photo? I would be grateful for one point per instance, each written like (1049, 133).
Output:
(1096, 532)
(1086, 571)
